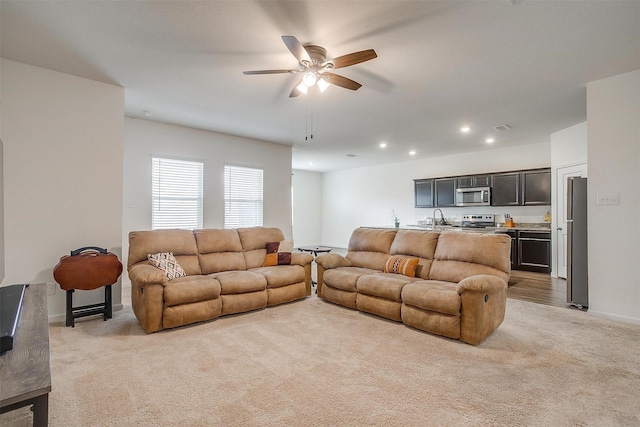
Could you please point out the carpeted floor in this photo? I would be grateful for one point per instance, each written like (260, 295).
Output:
(311, 363)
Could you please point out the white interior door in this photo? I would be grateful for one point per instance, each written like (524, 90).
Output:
(561, 212)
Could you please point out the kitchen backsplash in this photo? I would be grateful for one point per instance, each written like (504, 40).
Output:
(519, 214)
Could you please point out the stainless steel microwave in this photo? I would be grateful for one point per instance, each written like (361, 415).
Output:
(477, 196)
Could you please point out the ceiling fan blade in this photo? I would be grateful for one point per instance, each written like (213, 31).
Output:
(352, 58)
(248, 73)
(341, 81)
(297, 49)
(295, 92)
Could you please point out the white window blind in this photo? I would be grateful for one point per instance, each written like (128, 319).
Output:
(242, 197)
(176, 194)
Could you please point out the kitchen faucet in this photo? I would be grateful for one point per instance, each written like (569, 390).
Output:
(442, 221)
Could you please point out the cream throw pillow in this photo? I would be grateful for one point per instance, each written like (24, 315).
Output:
(166, 262)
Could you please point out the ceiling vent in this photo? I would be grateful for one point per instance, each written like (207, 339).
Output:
(501, 128)
(350, 155)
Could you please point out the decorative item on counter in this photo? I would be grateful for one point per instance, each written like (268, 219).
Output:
(547, 217)
(508, 221)
(396, 220)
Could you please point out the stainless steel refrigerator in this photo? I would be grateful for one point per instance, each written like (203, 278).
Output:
(577, 265)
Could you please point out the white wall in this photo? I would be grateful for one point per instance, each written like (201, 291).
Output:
(568, 147)
(366, 196)
(144, 139)
(307, 208)
(613, 118)
(62, 174)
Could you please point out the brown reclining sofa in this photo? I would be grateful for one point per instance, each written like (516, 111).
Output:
(460, 284)
(224, 275)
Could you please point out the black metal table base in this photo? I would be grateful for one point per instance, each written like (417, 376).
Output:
(104, 308)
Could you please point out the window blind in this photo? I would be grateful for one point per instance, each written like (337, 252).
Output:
(176, 193)
(243, 201)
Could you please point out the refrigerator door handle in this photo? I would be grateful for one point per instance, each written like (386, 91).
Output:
(569, 256)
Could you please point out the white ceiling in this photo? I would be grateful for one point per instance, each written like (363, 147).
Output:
(441, 64)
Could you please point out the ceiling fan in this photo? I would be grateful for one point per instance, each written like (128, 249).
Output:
(313, 63)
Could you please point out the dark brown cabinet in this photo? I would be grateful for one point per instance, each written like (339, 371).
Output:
(505, 189)
(445, 191)
(536, 187)
(472, 181)
(423, 193)
(514, 248)
(517, 188)
(525, 188)
(534, 251)
(530, 250)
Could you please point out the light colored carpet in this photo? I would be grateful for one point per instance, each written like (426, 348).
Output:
(313, 363)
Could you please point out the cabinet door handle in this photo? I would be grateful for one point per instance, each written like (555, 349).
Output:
(559, 228)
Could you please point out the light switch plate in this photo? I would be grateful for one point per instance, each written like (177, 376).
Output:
(608, 199)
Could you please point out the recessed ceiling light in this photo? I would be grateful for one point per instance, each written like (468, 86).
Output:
(412, 152)
(147, 113)
(489, 140)
(383, 145)
(311, 163)
(465, 129)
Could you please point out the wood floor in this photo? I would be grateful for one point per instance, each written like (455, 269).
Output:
(538, 287)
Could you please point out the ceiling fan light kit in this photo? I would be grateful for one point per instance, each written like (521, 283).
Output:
(312, 61)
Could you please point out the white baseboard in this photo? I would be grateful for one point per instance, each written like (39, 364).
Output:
(54, 318)
(616, 317)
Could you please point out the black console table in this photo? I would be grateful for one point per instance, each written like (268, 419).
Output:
(25, 373)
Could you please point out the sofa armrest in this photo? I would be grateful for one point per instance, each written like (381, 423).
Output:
(146, 274)
(483, 304)
(481, 283)
(329, 261)
(301, 258)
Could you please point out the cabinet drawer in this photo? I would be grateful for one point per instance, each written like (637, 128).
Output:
(541, 235)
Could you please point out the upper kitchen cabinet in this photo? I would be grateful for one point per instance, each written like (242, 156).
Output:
(445, 191)
(423, 193)
(528, 188)
(536, 187)
(472, 181)
(505, 189)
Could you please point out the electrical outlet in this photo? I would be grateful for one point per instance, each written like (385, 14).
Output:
(608, 199)
(51, 288)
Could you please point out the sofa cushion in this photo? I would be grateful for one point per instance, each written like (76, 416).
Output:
(278, 253)
(166, 262)
(254, 242)
(182, 243)
(416, 243)
(345, 278)
(369, 247)
(401, 265)
(432, 295)
(219, 250)
(190, 289)
(461, 255)
(239, 282)
(281, 275)
(384, 285)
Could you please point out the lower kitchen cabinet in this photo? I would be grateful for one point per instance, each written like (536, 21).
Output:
(534, 251)
(530, 250)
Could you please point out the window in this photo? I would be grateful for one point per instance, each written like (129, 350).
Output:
(176, 194)
(242, 197)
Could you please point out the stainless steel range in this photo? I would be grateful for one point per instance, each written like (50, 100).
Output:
(478, 221)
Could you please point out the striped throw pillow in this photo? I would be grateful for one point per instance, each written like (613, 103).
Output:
(401, 265)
